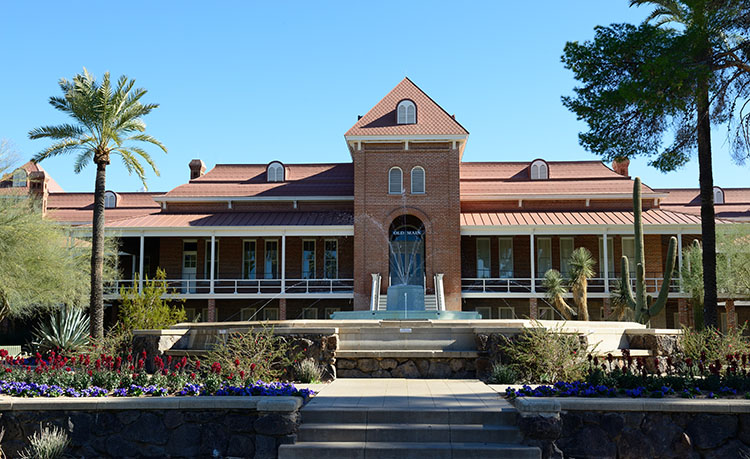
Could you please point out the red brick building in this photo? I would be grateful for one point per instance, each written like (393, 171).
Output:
(300, 241)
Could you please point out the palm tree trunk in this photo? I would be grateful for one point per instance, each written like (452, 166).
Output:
(584, 299)
(97, 255)
(708, 223)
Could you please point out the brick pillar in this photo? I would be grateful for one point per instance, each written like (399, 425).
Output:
(731, 314)
(211, 310)
(282, 308)
(533, 311)
(607, 308)
(684, 312)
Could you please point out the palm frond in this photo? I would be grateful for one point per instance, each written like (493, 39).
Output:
(57, 149)
(149, 139)
(62, 131)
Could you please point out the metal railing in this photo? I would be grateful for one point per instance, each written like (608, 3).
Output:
(245, 286)
(523, 284)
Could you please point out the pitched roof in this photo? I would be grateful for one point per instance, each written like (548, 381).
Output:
(687, 200)
(565, 178)
(6, 181)
(565, 218)
(249, 180)
(236, 219)
(431, 118)
(79, 207)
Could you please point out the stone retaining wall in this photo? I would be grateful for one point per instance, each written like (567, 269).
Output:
(458, 368)
(624, 428)
(244, 427)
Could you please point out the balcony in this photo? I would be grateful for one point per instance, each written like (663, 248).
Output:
(247, 288)
(522, 286)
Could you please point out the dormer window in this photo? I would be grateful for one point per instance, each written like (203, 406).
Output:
(20, 178)
(718, 195)
(406, 112)
(275, 172)
(539, 170)
(110, 200)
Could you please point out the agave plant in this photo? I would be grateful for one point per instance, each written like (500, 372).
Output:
(556, 290)
(581, 269)
(66, 330)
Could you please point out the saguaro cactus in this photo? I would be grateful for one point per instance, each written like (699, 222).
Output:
(644, 306)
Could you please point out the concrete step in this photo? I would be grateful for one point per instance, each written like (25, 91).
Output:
(389, 433)
(397, 450)
(488, 417)
(430, 302)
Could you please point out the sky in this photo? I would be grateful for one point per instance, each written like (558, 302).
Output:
(252, 82)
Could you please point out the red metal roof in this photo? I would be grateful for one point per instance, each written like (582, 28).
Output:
(6, 181)
(431, 118)
(249, 180)
(236, 219)
(687, 200)
(650, 217)
(79, 207)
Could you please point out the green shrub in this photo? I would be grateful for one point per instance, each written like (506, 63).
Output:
(710, 344)
(67, 330)
(502, 374)
(541, 355)
(148, 309)
(308, 371)
(49, 443)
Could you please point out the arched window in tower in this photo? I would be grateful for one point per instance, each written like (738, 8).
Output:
(718, 195)
(406, 112)
(539, 170)
(110, 200)
(20, 178)
(395, 180)
(417, 180)
(275, 172)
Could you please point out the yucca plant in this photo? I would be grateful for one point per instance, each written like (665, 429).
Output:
(308, 371)
(66, 330)
(556, 290)
(620, 308)
(581, 269)
(48, 443)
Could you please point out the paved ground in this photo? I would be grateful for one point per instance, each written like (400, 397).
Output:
(401, 393)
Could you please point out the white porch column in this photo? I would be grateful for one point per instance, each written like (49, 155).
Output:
(140, 263)
(605, 246)
(533, 263)
(213, 263)
(679, 256)
(283, 263)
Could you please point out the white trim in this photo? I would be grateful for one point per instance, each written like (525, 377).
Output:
(424, 180)
(226, 231)
(265, 258)
(391, 138)
(165, 198)
(140, 262)
(390, 181)
(533, 263)
(575, 230)
(540, 196)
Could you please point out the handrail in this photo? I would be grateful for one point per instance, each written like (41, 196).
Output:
(523, 284)
(245, 286)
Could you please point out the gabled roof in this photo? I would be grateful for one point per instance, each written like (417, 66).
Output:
(736, 202)
(249, 180)
(6, 181)
(431, 118)
(78, 208)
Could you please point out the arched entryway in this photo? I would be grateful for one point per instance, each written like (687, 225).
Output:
(406, 246)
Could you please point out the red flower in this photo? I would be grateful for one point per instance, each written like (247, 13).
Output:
(242, 374)
(252, 367)
(237, 362)
(3, 353)
(8, 370)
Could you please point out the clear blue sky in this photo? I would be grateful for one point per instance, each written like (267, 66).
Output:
(255, 81)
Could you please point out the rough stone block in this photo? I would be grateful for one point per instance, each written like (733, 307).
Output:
(346, 364)
(241, 446)
(276, 424)
(708, 431)
(265, 447)
(368, 365)
(406, 370)
(388, 364)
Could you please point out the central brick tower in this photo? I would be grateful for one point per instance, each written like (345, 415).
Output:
(407, 153)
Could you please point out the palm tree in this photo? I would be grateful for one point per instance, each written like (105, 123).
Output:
(581, 269)
(556, 290)
(107, 121)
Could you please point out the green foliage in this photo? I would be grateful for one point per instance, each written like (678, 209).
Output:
(308, 371)
(67, 330)
(619, 300)
(502, 374)
(258, 354)
(711, 345)
(733, 260)
(691, 272)
(541, 355)
(49, 443)
(149, 309)
(581, 269)
(555, 287)
(644, 306)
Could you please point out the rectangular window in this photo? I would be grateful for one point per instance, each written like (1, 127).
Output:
(331, 259)
(610, 257)
(506, 312)
(308, 259)
(189, 265)
(248, 260)
(546, 313)
(628, 250)
(485, 311)
(310, 313)
(248, 314)
(543, 256)
(271, 270)
(505, 258)
(483, 258)
(270, 314)
(566, 250)
(207, 261)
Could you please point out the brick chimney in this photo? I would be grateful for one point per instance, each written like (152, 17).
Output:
(197, 168)
(38, 187)
(621, 166)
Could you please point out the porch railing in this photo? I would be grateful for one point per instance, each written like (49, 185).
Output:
(245, 286)
(523, 285)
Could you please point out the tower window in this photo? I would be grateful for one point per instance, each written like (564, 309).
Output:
(718, 195)
(20, 178)
(417, 180)
(110, 200)
(395, 180)
(539, 170)
(406, 112)
(275, 172)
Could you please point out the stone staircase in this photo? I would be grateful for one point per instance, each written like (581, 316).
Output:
(430, 303)
(344, 426)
